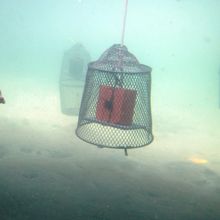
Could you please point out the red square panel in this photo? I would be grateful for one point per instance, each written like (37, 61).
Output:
(116, 105)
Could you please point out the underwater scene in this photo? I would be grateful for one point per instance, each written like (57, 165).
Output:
(110, 110)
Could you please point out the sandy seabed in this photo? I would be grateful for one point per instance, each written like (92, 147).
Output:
(47, 173)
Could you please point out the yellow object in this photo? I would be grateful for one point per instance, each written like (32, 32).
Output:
(197, 160)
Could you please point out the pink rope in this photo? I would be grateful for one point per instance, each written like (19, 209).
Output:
(124, 23)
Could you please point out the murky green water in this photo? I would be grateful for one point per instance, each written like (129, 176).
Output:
(46, 172)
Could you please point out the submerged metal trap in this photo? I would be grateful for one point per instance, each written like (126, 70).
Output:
(72, 78)
(115, 109)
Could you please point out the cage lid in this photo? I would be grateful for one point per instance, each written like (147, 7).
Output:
(78, 50)
(118, 59)
(75, 63)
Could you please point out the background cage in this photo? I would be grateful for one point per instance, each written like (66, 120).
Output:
(72, 77)
(115, 109)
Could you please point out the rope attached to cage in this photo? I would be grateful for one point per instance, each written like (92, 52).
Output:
(120, 53)
(124, 23)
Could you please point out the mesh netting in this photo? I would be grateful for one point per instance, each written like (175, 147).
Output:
(115, 108)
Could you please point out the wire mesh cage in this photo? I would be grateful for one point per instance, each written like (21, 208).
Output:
(72, 78)
(115, 109)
